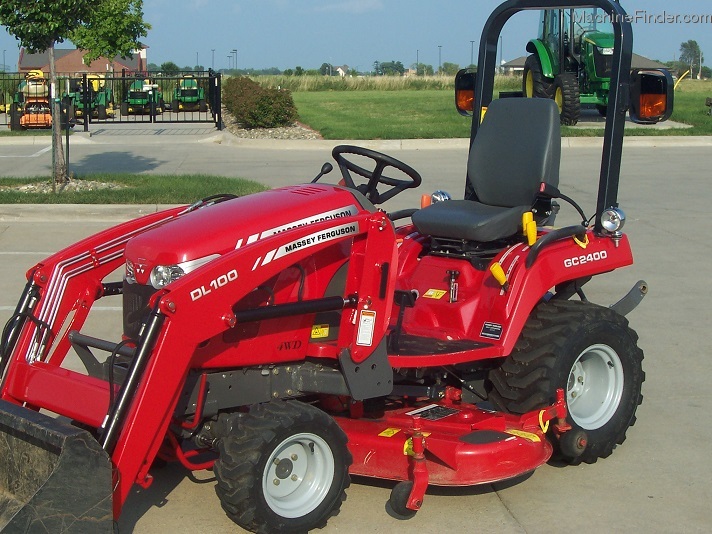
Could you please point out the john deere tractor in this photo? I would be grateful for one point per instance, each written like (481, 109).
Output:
(188, 95)
(141, 95)
(571, 61)
(99, 101)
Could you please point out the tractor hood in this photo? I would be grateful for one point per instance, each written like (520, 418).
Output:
(200, 236)
(599, 39)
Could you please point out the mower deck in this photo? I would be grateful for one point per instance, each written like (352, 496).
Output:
(462, 444)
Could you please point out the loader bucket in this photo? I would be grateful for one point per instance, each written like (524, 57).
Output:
(54, 477)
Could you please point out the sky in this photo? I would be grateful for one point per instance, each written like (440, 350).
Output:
(307, 33)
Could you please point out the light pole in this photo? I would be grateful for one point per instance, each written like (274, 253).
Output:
(197, 62)
(234, 51)
(440, 62)
(229, 62)
(501, 56)
(3, 61)
(417, 62)
(472, 52)
(212, 62)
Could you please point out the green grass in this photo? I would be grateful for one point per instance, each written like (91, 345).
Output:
(6, 132)
(404, 114)
(138, 189)
(430, 113)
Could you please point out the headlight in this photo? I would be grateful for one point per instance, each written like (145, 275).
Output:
(612, 220)
(439, 196)
(162, 275)
(606, 51)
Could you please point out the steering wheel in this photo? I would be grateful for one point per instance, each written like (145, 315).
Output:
(375, 176)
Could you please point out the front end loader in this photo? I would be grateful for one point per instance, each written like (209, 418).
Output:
(295, 337)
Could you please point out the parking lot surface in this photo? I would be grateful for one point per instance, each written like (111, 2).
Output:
(659, 480)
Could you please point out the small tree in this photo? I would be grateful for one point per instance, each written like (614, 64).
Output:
(450, 69)
(115, 29)
(690, 54)
(169, 68)
(40, 24)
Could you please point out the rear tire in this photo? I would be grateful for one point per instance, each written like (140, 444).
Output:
(175, 106)
(534, 83)
(567, 98)
(101, 112)
(283, 468)
(602, 110)
(124, 108)
(202, 106)
(589, 352)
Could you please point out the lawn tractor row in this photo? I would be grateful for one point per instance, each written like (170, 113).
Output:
(290, 339)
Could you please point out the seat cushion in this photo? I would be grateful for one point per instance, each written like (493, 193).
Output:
(469, 220)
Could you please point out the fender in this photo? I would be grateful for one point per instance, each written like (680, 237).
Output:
(560, 262)
(535, 46)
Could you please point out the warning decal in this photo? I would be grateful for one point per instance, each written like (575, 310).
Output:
(366, 327)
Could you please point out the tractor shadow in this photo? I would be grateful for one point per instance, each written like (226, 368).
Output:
(443, 491)
(111, 162)
(166, 478)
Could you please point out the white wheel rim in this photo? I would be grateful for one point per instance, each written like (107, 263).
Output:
(298, 475)
(595, 387)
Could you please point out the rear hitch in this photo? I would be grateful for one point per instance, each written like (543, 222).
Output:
(634, 297)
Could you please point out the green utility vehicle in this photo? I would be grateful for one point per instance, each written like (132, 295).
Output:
(571, 61)
(140, 96)
(188, 95)
(99, 102)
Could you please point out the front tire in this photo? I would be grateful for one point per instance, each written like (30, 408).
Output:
(589, 352)
(534, 83)
(283, 468)
(567, 98)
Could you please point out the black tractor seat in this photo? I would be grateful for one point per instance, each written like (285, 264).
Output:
(516, 150)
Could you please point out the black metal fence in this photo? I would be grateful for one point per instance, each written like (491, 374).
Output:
(126, 98)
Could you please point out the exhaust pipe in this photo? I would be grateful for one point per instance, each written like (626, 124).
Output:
(54, 477)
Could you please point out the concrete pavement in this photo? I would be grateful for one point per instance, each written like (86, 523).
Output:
(660, 480)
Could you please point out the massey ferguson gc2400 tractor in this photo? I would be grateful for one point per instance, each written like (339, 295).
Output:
(292, 338)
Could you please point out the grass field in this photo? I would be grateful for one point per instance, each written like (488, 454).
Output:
(134, 189)
(404, 113)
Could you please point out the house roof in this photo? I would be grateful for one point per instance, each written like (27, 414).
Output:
(72, 59)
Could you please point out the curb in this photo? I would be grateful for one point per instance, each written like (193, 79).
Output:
(109, 213)
(384, 145)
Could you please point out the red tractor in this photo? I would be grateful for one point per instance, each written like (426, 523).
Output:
(291, 338)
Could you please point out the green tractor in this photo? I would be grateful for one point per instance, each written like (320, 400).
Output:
(100, 99)
(188, 95)
(141, 95)
(571, 61)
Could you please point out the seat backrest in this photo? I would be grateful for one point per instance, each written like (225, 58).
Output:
(517, 147)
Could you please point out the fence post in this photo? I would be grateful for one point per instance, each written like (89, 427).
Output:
(85, 99)
(218, 101)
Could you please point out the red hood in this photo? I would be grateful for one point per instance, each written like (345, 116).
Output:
(236, 223)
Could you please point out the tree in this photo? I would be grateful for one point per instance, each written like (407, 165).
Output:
(391, 68)
(288, 72)
(40, 24)
(690, 54)
(450, 69)
(114, 30)
(299, 71)
(421, 69)
(169, 68)
(327, 69)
